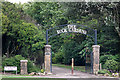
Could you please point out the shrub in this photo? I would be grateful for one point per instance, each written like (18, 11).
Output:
(104, 58)
(111, 65)
(32, 68)
(102, 72)
(15, 61)
(42, 70)
(58, 58)
(54, 60)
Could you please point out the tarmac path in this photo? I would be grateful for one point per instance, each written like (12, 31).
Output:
(66, 73)
(58, 72)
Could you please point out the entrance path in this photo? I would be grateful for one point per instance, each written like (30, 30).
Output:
(66, 73)
(58, 72)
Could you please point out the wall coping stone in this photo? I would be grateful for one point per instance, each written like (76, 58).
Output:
(96, 46)
(23, 60)
(48, 46)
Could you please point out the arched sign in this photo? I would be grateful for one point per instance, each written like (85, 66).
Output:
(71, 28)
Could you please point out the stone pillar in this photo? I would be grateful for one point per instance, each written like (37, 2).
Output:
(96, 53)
(23, 64)
(47, 60)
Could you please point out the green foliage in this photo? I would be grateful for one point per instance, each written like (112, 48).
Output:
(102, 72)
(58, 58)
(86, 47)
(27, 39)
(89, 14)
(110, 60)
(108, 40)
(42, 70)
(10, 10)
(47, 14)
(117, 56)
(15, 61)
(20, 37)
(31, 67)
(71, 50)
(5, 23)
(104, 58)
(54, 61)
(111, 65)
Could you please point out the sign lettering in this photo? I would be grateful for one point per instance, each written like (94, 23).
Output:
(10, 68)
(71, 28)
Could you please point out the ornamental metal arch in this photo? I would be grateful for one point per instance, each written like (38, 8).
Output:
(71, 28)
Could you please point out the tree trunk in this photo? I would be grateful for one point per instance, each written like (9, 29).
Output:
(116, 19)
(7, 54)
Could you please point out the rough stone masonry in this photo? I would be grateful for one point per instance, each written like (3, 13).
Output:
(48, 59)
(23, 65)
(96, 53)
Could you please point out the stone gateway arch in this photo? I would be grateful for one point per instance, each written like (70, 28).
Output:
(72, 28)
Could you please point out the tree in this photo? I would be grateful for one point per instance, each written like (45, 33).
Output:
(46, 14)
(20, 37)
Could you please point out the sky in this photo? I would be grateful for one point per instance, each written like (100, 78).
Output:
(17, 1)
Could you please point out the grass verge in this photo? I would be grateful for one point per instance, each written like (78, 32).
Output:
(32, 79)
